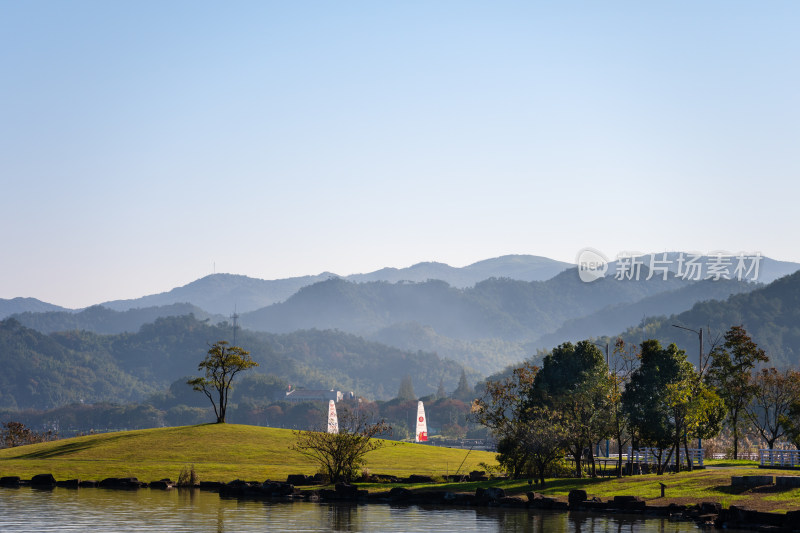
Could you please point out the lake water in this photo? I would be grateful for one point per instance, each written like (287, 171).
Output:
(29, 510)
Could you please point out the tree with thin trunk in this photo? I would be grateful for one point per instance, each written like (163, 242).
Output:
(623, 366)
(406, 390)
(774, 393)
(543, 439)
(221, 365)
(574, 381)
(341, 455)
(501, 410)
(732, 364)
(656, 398)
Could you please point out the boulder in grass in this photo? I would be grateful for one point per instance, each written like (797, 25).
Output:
(577, 497)
(9, 481)
(126, 483)
(495, 493)
(299, 479)
(43, 481)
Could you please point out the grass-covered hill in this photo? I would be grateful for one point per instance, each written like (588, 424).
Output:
(219, 452)
(45, 371)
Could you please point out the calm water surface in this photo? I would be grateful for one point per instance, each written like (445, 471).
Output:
(25, 509)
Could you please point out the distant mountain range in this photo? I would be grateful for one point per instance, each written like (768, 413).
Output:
(485, 315)
(24, 305)
(223, 294)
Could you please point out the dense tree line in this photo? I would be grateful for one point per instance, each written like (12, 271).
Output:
(256, 399)
(647, 395)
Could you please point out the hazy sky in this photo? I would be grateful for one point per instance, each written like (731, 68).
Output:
(143, 142)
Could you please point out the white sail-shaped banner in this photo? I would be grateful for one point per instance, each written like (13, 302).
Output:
(333, 420)
(422, 424)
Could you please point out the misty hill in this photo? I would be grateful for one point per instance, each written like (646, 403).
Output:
(519, 267)
(763, 270)
(221, 293)
(24, 305)
(621, 316)
(99, 319)
(45, 371)
(770, 314)
(496, 308)
(484, 355)
(490, 325)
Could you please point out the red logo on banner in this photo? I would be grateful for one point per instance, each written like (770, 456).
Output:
(421, 419)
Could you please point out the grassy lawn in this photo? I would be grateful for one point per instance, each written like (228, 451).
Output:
(223, 452)
(219, 452)
(729, 462)
(712, 485)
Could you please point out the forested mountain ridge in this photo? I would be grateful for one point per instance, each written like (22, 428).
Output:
(221, 293)
(505, 309)
(44, 371)
(770, 314)
(621, 316)
(99, 319)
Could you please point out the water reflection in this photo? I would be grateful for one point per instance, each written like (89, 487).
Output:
(23, 510)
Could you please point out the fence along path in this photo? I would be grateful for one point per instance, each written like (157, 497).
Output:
(785, 458)
(650, 456)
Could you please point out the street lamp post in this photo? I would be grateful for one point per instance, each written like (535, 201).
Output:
(699, 363)
(700, 334)
(609, 370)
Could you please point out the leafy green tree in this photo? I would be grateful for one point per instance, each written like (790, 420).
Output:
(624, 363)
(697, 412)
(574, 381)
(501, 410)
(440, 392)
(732, 364)
(543, 438)
(656, 398)
(406, 390)
(463, 390)
(221, 365)
(791, 422)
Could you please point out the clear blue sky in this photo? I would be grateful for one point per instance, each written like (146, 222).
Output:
(142, 142)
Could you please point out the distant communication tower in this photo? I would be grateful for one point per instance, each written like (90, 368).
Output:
(235, 318)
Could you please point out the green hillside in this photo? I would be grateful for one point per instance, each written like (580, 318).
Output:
(219, 452)
(46, 371)
(771, 316)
